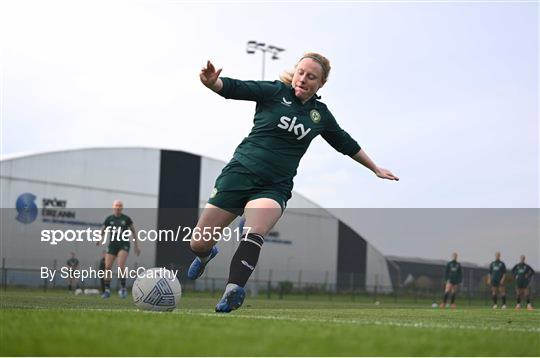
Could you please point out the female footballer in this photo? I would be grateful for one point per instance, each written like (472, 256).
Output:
(453, 275)
(259, 179)
(523, 274)
(117, 247)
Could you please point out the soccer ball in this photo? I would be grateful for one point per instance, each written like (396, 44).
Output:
(157, 289)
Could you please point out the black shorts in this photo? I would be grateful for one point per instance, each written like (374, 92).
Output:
(115, 247)
(236, 186)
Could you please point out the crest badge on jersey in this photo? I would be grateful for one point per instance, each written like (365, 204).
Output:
(214, 192)
(315, 116)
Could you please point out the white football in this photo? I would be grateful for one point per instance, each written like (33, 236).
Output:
(157, 289)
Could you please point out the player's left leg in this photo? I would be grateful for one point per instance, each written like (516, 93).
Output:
(528, 298)
(261, 215)
(122, 259)
(502, 292)
(453, 296)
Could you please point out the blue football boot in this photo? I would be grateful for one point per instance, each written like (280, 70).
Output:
(122, 293)
(232, 298)
(106, 294)
(196, 268)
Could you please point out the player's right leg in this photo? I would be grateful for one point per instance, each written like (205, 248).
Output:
(519, 291)
(212, 217)
(494, 294)
(447, 289)
(109, 260)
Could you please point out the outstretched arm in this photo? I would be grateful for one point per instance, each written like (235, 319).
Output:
(210, 77)
(362, 158)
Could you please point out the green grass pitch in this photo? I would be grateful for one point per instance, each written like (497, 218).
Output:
(37, 323)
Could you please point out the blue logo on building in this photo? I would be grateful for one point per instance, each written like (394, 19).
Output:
(27, 209)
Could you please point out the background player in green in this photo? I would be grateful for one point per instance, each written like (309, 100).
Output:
(452, 278)
(117, 247)
(496, 278)
(259, 179)
(73, 264)
(522, 274)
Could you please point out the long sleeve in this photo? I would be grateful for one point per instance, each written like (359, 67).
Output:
(248, 90)
(339, 139)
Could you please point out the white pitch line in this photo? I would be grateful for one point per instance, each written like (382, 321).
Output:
(308, 320)
(364, 322)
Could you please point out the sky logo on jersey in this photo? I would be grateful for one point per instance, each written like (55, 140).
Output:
(290, 125)
(27, 209)
(285, 102)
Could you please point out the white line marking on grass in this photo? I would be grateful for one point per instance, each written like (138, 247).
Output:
(308, 320)
(363, 322)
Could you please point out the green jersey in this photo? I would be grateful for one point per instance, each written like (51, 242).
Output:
(522, 273)
(72, 262)
(120, 224)
(496, 271)
(283, 128)
(453, 272)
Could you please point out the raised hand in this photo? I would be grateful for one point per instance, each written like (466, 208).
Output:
(209, 75)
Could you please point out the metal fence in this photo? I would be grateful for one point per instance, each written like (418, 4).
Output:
(11, 277)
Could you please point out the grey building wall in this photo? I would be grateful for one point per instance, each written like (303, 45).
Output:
(162, 189)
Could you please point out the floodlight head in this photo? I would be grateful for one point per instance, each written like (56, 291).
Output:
(251, 45)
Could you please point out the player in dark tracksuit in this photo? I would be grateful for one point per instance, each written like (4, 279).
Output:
(523, 274)
(259, 179)
(452, 277)
(118, 247)
(73, 264)
(496, 278)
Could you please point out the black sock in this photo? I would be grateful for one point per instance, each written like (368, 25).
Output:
(69, 287)
(528, 299)
(445, 299)
(245, 259)
(453, 298)
(108, 285)
(503, 297)
(123, 282)
(518, 300)
(494, 297)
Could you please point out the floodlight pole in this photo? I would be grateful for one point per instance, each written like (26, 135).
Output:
(253, 46)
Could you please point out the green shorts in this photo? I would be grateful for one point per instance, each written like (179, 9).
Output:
(522, 284)
(496, 283)
(115, 246)
(236, 186)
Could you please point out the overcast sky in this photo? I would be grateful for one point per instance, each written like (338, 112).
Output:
(443, 94)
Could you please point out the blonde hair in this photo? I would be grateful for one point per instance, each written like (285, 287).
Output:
(287, 75)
